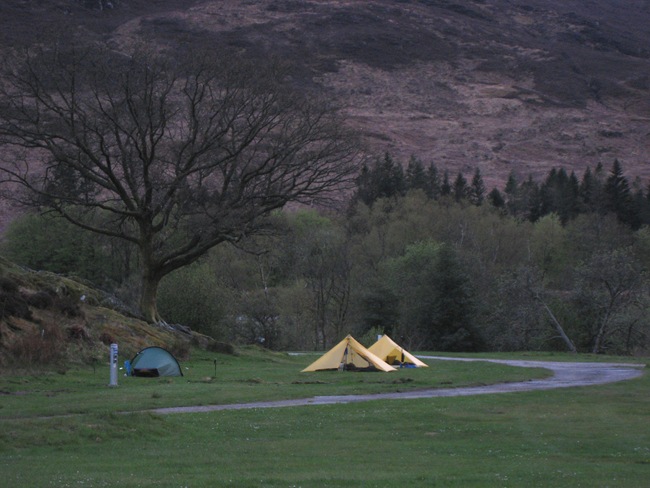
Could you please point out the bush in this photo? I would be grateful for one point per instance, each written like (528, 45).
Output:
(107, 339)
(78, 333)
(37, 347)
(221, 347)
(41, 300)
(9, 286)
(69, 307)
(45, 242)
(191, 296)
(13, 306)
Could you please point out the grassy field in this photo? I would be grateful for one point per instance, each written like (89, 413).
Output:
(66, 430)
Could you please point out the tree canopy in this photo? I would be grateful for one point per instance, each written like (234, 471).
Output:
(172, 156)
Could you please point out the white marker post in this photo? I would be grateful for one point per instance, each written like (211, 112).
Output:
(113, 365)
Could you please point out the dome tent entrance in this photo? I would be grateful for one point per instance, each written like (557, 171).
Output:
(349, 355)
(155, 361)
(389, 351)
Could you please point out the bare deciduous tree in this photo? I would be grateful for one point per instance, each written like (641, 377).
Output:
(322, 258)
(610, 285)
(173, 157)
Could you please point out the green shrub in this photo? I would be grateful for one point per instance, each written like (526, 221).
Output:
(191, 296)
(44, 242)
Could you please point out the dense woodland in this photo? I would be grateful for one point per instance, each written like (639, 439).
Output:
(435, 260)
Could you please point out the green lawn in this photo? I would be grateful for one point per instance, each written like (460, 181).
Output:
(254, 375)
(589, 437)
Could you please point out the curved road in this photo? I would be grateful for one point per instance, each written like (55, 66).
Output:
(565, 375)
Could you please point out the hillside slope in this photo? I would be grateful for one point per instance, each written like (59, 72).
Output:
(47, 320)
(504, 85)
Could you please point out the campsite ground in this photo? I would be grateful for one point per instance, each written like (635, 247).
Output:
(585, 436)
(254, 375)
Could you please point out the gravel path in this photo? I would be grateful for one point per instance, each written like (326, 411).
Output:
(565, 375)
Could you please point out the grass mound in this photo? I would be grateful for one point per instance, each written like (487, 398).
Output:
(48, 321)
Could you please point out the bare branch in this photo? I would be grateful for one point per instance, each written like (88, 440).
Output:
(182, 155)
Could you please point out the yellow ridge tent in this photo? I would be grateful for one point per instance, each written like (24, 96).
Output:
(386, 349)
(349, 355)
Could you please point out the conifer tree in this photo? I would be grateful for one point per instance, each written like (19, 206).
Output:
(416, 177)
(460, 187)
(511, 184)
(496, 199)
(530, 201)
(365, 191)
(641, 206)
(452, 327)
(619, 197)
(511, 190)
(385, 179)
(445, 187)
(645, 205)
(559, 195)
(477, 188)
(523, 201)
(389, 177)
(433, 182)
(591, 191)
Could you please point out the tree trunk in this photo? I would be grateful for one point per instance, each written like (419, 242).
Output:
(558, 327)
(148, 296)
(598, 341)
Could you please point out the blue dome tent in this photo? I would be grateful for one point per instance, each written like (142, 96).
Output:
(154, 361)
